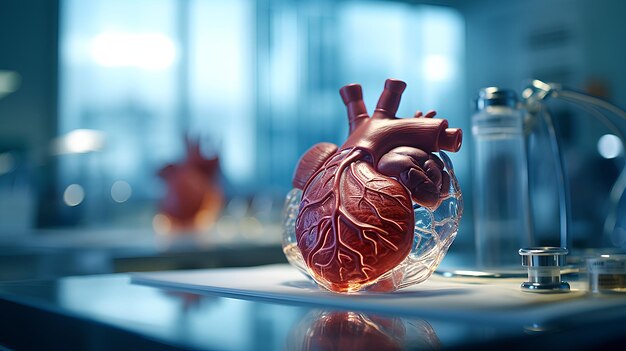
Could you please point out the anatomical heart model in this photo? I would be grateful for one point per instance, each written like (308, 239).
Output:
(194, 196)
(379, 212)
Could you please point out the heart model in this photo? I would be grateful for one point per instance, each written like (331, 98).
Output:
(356, 219)
(194, 197)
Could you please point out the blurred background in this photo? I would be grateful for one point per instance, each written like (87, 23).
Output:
(105, 103)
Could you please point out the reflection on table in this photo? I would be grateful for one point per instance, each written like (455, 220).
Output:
(343, 330)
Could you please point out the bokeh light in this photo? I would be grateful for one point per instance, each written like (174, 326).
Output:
(610, 146)
(121, 191)
(73, 195)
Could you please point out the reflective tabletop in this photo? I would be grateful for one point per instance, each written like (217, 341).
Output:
(110, 312)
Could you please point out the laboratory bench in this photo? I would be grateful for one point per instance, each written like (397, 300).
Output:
(126, 311)
(47, 254)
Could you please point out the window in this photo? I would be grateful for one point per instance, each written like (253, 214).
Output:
(257, 82)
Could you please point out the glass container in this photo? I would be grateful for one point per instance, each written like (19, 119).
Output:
(500, 179)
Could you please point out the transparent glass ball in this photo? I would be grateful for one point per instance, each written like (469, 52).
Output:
(433, 234)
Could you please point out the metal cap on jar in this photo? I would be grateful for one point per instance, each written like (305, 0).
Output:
(494, 96)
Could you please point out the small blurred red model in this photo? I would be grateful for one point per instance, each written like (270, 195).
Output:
(194, 197)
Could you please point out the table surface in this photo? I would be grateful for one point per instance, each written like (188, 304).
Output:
(111, 312)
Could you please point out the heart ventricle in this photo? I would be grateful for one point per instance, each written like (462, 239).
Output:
(355, 224)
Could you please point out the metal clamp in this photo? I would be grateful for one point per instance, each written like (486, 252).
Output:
(544, 269)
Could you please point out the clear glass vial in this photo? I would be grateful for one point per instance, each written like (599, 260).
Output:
(500, 179)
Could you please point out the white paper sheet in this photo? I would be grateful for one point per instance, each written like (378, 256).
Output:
(484, 300)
